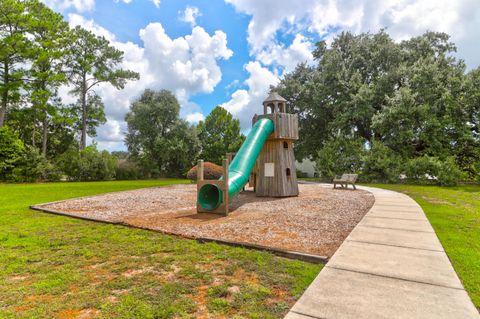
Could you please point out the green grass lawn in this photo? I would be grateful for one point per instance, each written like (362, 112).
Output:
(60, 267)
(454, 213)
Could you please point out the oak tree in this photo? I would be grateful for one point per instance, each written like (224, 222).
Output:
(157, 138)
(219, 134)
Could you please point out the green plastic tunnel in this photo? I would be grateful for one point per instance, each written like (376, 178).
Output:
(210, 196)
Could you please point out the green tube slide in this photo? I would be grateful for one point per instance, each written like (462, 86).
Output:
(210, 196)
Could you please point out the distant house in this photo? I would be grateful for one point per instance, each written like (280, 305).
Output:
(306, 168)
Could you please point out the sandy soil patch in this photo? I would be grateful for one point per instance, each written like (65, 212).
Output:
(316, 222)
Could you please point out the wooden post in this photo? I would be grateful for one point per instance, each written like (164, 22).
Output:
(222, 184)
(229, 156)
(200, 170)
(225, 165)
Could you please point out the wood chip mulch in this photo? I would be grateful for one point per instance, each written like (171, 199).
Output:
(315, 222)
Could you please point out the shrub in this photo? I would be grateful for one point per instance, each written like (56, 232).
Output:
(427, 169)
(477, 170)
(88, 164)
(210, 171)
(11, 151)
(23, 163)
(34, 167)
(127, 169)
(340, 156)
(381, 164)
(449, 173)
(301, 174)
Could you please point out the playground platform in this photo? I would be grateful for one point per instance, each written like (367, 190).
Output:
(392, 265)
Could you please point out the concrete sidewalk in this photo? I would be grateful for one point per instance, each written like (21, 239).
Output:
(392, 265)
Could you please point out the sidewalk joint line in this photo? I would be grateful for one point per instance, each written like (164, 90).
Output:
(391, 277)
(395, 205)
(395, 218)
(304, 314)
(394, 211)
(418, 220)
(417, 231)
(372, 243)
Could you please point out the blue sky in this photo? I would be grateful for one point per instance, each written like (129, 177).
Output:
(229, 52)
(125, 19)
(215, 15)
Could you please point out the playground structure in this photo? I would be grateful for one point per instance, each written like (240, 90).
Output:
(266, 159)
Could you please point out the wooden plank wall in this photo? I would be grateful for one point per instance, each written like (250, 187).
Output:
(286, 125)
(280, 185)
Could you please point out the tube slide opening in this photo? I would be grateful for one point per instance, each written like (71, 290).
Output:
(210, 197)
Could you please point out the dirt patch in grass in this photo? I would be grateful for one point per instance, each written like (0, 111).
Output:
(78, 314)
(134, 272)
(316, 222)
(39, 298)
(23, 308)
(88, 313)
(201, 300)
(434, 200)
(18, 278)
(68, 314)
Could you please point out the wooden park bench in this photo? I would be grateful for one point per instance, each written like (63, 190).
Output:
(344, 180)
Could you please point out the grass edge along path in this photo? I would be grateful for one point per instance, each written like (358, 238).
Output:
(454, 213)
(60, 267)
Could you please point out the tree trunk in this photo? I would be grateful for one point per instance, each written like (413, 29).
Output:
(34, 131)
(3, 111)
(44, 109)
(83, 99)
(3, 107)
(45, 134)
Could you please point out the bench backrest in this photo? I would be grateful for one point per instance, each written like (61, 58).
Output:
(349, 177)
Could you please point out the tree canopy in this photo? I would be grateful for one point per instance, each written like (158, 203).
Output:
(14, 48)
(219, 134)
(164, 144)
(411, 99)
(38, 54)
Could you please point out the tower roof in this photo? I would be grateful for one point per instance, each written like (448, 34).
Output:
(274, 97)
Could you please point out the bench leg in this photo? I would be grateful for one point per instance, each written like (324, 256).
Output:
(354, 187)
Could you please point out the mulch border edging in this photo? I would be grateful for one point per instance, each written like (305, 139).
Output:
(310, 258)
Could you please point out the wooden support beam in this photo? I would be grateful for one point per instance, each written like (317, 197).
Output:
(200, 170)
(225, 203)
(222, 184)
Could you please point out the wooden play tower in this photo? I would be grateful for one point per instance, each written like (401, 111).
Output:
(275, 173)
(266, 159)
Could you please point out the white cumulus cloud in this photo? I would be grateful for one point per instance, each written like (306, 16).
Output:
(78, 5)
(288, 57)
(185, 65)
(402, 18)
(195, 117)
(190, 15)
(245, 103)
